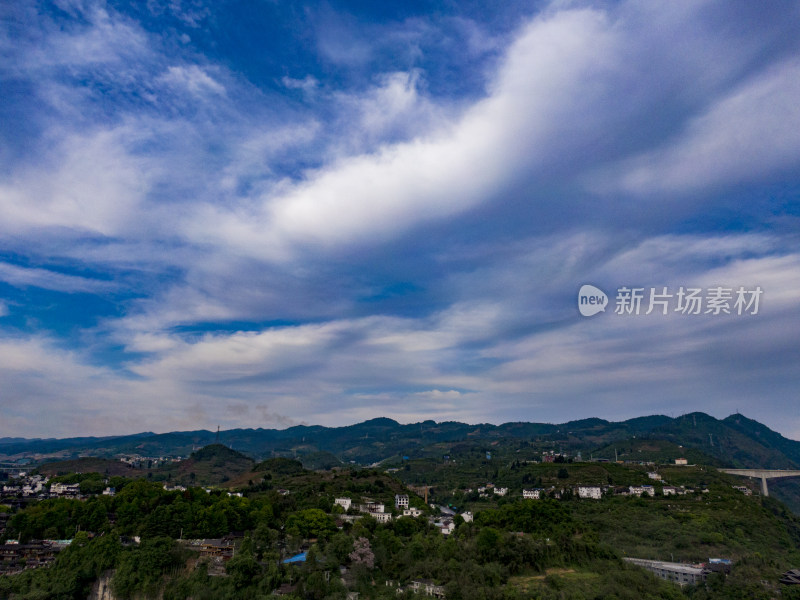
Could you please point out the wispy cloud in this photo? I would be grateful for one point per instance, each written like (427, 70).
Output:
(52, 280)
(325, 214)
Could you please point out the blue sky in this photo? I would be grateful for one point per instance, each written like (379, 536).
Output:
(257, 214)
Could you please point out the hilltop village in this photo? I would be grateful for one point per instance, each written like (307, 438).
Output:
(218, 520)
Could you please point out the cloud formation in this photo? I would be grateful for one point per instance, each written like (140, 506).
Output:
(336, 215)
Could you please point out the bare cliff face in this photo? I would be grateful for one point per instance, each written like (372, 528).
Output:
(101, 590)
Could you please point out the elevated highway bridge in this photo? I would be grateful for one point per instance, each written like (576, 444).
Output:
(762, 474)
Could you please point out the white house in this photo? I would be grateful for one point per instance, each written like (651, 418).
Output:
(467, 516)
(401, 500)
(501, 491)
(532, 494)
(63, 489)
(427, 587)
(654, 476)
(345, 503)
(412, 512)
(638, 490)
(381, 517)
(593, 492)
(446, 526)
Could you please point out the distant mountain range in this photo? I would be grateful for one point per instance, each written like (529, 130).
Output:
(735, 441)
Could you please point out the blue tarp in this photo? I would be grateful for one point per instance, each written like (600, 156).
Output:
(298, 558)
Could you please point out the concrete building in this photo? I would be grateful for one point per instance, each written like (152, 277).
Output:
(594, 492)
(381, 517)
(65, 489)
(675, 572)
(427, 587)
(639, 490)
(532, 494)
(401, 500)
(372, 507)
(345, 503)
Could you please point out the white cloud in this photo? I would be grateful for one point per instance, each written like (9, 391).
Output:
(216, 216)
(90, 183)
(106, 38)
(460, 363)
(308, 84)
(192, 78)
(51, 280)
(750, 133)
(446, 172)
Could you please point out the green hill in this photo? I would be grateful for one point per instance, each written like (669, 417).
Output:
(214, 464)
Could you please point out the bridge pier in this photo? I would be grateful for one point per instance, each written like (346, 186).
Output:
(763, 475)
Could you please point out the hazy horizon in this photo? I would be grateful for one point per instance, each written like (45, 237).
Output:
(213, 430)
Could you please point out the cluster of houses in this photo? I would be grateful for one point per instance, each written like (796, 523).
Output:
(36, 487)
(148, 462)
(489, 489)
(15, 557)
(25, 486)
(419, 586)
(376, 510)
(596, 492)
(445, 523)
(593, 492)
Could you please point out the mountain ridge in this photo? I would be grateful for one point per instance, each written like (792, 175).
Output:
(736, 440)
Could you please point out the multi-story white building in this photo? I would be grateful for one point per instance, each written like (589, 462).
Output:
(65, 489)
(532, 494)
(345, 503)
(501, 491)
(594, 492)
(401, 500)
(381, 517)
